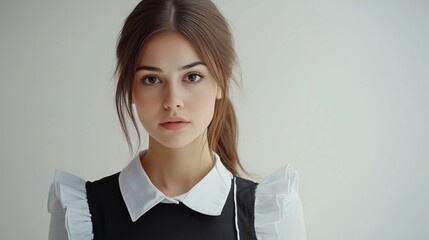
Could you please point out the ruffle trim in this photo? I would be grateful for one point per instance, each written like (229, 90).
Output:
(272, 197)
(70, 191)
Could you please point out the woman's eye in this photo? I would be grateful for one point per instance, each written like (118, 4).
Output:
(194, 77)
(150, 80)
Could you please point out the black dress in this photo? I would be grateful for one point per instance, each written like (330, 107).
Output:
(110, 218)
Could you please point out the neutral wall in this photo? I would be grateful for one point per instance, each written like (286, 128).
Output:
(338, 89)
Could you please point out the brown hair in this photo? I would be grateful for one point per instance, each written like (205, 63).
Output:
(202, 23)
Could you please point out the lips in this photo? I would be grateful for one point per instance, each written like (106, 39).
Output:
(174, 125)
(174, 119)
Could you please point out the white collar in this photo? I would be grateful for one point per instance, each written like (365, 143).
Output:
(208, 196)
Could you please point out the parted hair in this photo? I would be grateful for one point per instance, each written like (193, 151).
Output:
(206, 28)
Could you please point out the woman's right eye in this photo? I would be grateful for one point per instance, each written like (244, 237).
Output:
(150, 80)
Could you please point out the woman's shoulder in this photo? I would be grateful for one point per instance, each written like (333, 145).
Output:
(68, 204)
(64, 183)
(104, 184)
(283, 181)
(278, 206)
(273, 204)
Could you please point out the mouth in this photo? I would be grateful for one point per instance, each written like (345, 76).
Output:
(173, 122)
(175, 119)
(174, 125)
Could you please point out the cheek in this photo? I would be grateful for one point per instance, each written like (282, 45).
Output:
(204, 102)
(145, 104)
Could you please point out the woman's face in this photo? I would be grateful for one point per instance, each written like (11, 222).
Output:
(172, 81)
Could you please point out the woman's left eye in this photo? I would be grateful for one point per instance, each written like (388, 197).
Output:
(194, 77)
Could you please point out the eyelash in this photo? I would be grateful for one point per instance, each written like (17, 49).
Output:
(190, 74)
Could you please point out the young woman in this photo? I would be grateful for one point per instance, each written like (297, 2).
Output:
(175, 64)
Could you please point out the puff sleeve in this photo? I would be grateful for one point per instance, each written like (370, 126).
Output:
(278, 208)
(68, 206)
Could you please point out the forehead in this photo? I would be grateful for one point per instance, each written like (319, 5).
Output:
(168, 48)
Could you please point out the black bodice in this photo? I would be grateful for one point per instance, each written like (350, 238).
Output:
(110, 218)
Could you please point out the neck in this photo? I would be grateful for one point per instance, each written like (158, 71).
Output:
(175, 171)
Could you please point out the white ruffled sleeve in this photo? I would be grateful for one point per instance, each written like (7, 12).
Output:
(278, 209)
(68, 206)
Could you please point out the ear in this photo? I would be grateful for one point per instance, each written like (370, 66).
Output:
(218, 92)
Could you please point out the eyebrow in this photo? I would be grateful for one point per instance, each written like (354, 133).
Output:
(155, 69)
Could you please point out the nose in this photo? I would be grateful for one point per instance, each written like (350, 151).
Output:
(173, 99)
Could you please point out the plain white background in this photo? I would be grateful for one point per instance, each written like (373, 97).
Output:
(338, 89)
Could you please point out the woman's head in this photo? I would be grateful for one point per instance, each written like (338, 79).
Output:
(202, 26)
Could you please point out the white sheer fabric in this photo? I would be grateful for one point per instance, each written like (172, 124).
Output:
(68, 205)
(278, 208)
